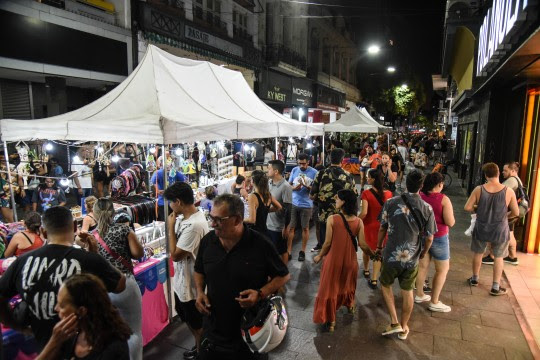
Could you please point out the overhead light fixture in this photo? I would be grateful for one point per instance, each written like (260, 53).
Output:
(115, 158)
(49, 146)
(291, 140)
(391, 69)
(76, 159)
(152, 150)
(374, 49)
(404, 86)
(178, 152)
(100, 149)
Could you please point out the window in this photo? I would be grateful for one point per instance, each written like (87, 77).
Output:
(326, 60)
(335, 69)
(208, 10)
(240, 25)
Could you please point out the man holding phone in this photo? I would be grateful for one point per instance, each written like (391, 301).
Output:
(232, 269)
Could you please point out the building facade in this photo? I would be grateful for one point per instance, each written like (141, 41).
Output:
(57, 56)
(491, 58)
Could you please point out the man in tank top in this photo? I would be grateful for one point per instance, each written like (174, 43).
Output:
(493, 203)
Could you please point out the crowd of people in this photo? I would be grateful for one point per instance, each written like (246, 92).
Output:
(84, 302)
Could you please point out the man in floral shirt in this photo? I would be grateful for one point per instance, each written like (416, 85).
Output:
(403, 248)
(326, 186)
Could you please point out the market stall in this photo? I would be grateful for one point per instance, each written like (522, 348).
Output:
(165, 100)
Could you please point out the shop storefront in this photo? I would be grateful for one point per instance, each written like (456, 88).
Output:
(498, 118)
(275, 89)
(329, 104)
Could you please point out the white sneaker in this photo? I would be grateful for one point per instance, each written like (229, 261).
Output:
(439, 307)
(468, 232)
(418, 299)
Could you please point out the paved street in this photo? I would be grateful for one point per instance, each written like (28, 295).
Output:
(479, 326)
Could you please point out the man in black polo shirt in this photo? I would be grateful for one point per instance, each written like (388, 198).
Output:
(233, 264)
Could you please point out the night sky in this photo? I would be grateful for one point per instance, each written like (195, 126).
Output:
(410, 34)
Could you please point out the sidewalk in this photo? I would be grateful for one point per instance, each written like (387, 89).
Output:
(480, 326)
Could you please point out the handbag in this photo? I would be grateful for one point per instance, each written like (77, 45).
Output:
(353, 237)
(127, 264)
(33, 184)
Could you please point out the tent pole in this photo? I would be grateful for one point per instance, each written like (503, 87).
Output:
(322, 153)
(13, 205)
(277, 148)
(167, 248)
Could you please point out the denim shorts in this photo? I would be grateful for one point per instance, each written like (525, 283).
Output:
(440, 248)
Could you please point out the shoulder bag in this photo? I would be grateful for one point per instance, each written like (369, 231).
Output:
(353, 237)
(422, 227)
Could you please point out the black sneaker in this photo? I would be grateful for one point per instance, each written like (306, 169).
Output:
(316, 248)
(372, 284)
(427, 289)
(501, 291)
(472, 282)
(301, 256)
(488, 260)
(191, 353)
(511, 261)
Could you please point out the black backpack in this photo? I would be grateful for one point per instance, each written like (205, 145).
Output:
(523, 200)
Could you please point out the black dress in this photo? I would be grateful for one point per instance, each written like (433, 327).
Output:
(262, 215)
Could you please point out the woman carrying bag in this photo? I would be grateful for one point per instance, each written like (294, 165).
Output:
(118, 244)
(337, 287)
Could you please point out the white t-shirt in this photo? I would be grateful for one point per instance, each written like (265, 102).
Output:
(84, 173)
(189, 234)
(268, 156)
(404, 153)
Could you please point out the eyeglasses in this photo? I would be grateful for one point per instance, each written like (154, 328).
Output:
(218, 220)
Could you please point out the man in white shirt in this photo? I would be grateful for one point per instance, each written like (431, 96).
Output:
(82, 179)
(184, 239)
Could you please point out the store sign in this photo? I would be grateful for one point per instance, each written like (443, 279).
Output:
(275, 94)
(499, 23)
(275, 87)
(213, 41)
(324, 106)
(302, 92)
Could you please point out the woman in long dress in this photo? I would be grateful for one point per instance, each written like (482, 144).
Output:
(337, 285)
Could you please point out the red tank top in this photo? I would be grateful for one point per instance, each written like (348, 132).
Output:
(35, 245)
(435, 200)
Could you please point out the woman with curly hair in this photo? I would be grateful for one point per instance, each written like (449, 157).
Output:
(90, 327)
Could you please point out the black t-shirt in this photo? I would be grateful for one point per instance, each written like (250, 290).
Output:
(114, 349)
(247, 266)
(38, 275)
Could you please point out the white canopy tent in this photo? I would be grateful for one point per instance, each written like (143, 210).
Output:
(355, 120)
(167, 100)
(382, 128)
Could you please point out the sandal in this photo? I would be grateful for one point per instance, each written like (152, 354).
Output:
(367, 274)
(331, 326)
(352, 309)
(373, 284)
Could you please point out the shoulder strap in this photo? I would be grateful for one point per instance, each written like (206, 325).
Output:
(377, 197)
(111, 252)
(91, 217)
(415, 216)
(520, 184)
(353, 238)
(26, 236)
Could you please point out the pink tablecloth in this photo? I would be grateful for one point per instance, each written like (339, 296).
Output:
(150, 276)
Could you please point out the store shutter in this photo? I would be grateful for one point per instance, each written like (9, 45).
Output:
(15, 97)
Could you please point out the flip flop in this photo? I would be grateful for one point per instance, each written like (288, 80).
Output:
(403, 335)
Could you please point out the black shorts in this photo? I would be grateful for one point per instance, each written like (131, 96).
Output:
(278, 240)
(188, 313)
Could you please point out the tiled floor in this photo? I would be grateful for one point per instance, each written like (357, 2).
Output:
(479, 326)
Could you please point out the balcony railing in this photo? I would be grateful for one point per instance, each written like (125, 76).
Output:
(209, 20)
(276, 53)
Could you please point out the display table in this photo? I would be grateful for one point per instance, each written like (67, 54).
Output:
(352, 165)
(150, 276)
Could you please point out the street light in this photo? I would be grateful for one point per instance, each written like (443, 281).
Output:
(404, 86)
(373, 49)
(391, 69)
